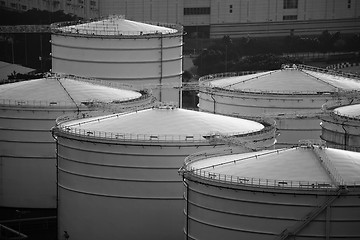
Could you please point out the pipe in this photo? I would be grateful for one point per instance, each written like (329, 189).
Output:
(214, 101)
(161, 65)
(53, 129)
(345, 136)
(28, 219)
(187, 208)
(19, 234)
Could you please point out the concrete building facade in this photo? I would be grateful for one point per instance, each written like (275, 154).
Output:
(237, 18)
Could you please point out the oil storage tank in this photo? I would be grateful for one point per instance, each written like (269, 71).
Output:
(304, 192)
(341, 127)
(293, 95)
(28, 111)
(147, 55)
(118, 174)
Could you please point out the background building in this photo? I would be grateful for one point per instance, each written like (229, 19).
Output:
(216, 18)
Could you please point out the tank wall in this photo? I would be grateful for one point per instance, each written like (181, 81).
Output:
(171, 95)
(113, 43)
(220, 213)
(344, 135)
(140, 62)
(247, 104)
(110, 176)
(86, 216)
(28, 182)
(291, 129)
(126, 54)
(28, 159)
(118, 71)
(107, 49)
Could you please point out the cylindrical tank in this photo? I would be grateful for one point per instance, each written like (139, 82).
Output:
(28, 111)
(341, 127)
(304, 192)
(118, 174)
(146, 55)
(292, 95)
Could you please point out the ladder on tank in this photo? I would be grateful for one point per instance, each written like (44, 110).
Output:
(336, 180)
(293, 230)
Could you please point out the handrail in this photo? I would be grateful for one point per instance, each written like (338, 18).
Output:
(283, 115)
(205, 81)
(338, 114)
(211, 88)
(190, 138)
(263, 182)
(206, 174)
(211, 77)
(106, 27)
(330, 108)
(63, 125)
(54, 104)
(329, 71)
(330, 169)
(146, 95)
(350, 100)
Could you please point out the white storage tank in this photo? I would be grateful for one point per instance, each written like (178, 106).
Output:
(341, 127)
(118, 173)
(146, 55)
(28, 111)
(304, 192)
(292, 95)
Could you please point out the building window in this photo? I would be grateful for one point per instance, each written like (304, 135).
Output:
(92, 3)
(81, 1)
(2, 3)
(23, 7)
(230, 9)
(289, 17)
(13, 5)
(197, 11)
(349, 3)
(290, 4)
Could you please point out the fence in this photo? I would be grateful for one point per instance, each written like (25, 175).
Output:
(108, 27)
(204, 173)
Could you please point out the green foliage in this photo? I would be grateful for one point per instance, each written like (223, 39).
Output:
(248, 54)
(24, 76)
(249, 63)
(28, 48)
(187, 76)
(33, 16)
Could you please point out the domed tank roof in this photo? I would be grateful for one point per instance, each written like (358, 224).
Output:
(296, 79)
(298, 164)
(351, 111)
(61, 90)
(171, 122)
(116, 25)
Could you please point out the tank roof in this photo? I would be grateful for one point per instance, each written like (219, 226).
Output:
(115, 26)
(166, 123)
(350, 111)
(301, 80)
(61, 91)
(312, 165)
